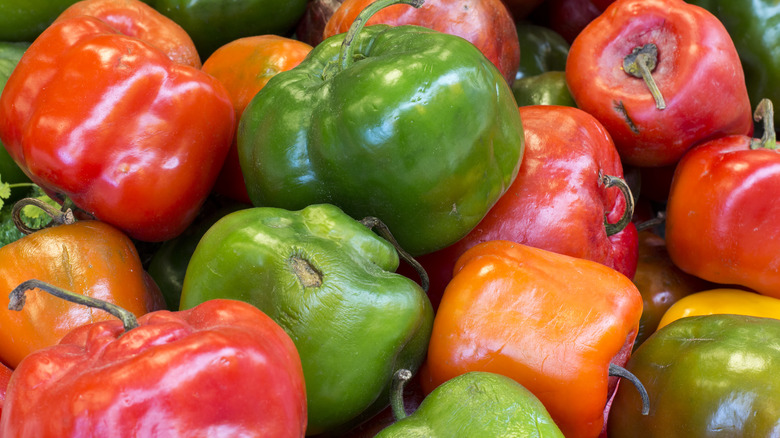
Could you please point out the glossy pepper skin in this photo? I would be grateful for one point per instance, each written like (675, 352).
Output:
(10, 54)
(329, 282)
(558, 201)
(477, 404)
(131, 137)
(720, 225)
(752, 25)
(551, 322)
(220, 369)
(541, 78)
(485, 23)
(214, 23)
(697, 65)
(244, 66)
(24, 20)
(722, 301)
(422, 133)
(707, 376)
(86, 257)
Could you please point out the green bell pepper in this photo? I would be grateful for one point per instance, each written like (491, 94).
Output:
(214, 23)
(541, 80)
(10, 54)
(707, 376)
(410, 125)
(753, 26)
(329, 281)
(24, 20)
(476, 404)
(544, 89)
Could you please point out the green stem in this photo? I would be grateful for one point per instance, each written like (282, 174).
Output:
(765, 111)
(397, 395)
(618, 371)
(59, 217)
(17, 298)
(628, 213)
(640, 63)
(347, 53)
(374, 224)
(18, 185)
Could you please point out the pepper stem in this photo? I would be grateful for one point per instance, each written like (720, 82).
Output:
(618, 371)
(397, 393)
(765, 111)
(17, 298)
(628, 213)
(59, 217)
(640, 63)
(347, 53)
(374, 224)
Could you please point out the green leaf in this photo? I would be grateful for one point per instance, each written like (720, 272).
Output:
(5, 192)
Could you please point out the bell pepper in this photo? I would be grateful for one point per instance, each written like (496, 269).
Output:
(214, 23)
(5, 377)
(559, 201)
(88, 257)
(752, 25)
(220, 369)
(329, 281)
(244, 66)
(24, 20)
(712, 375)
(378, 122)
(485, 23)
(646, 69)
(722, 301)
(720, 225)
(476, 404)
(137, 19)
(551, 322)
(10, 54)
(541, 78)
(108, 121)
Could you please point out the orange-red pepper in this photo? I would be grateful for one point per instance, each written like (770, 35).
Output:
(553, 323)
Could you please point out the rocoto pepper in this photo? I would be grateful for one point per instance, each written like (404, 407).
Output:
(222, 368)
(329, 281)
(110, 122)
(413, 126)
(661, 76)
(551, 322)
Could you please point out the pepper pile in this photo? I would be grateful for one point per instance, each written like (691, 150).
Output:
(393, 218)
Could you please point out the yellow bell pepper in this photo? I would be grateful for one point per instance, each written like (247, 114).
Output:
(722, 301)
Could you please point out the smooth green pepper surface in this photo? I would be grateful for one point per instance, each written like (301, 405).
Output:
(541, 79)
(544, 89)
(214, 23)
(10, 54)
(418, 129)
(330, 283)
(477, 404)
(24, 20)
(754, 26)
(707, 376)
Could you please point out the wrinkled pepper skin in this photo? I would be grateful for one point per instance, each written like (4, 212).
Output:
(87, 257)
(707, 376)
(330, 283)
(143, 159)
(551, 322)
(697, 63)
(220, 369)
(477, 404)
(214, 23)
(10, 54)
(753, 27)
(24, 20)
(423, 133)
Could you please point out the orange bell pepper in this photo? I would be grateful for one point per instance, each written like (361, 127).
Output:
(86, 257)
(552, 322)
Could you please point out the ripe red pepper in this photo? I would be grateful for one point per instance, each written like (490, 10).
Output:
(558, 201)
(107, 120)
(691, 59)
(222, 368)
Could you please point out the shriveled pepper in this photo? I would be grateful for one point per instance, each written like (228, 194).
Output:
(722, 301)
(87, 257)
(551, 322)
(220, 369)
(378, 122)
(329, 281)
(109, 121)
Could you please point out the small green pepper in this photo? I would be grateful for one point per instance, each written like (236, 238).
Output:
(329, 281)
(540, 79)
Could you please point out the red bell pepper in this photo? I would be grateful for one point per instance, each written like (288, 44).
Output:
(107, 120)
(222, 368)
(615, 63)
(559, 201)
